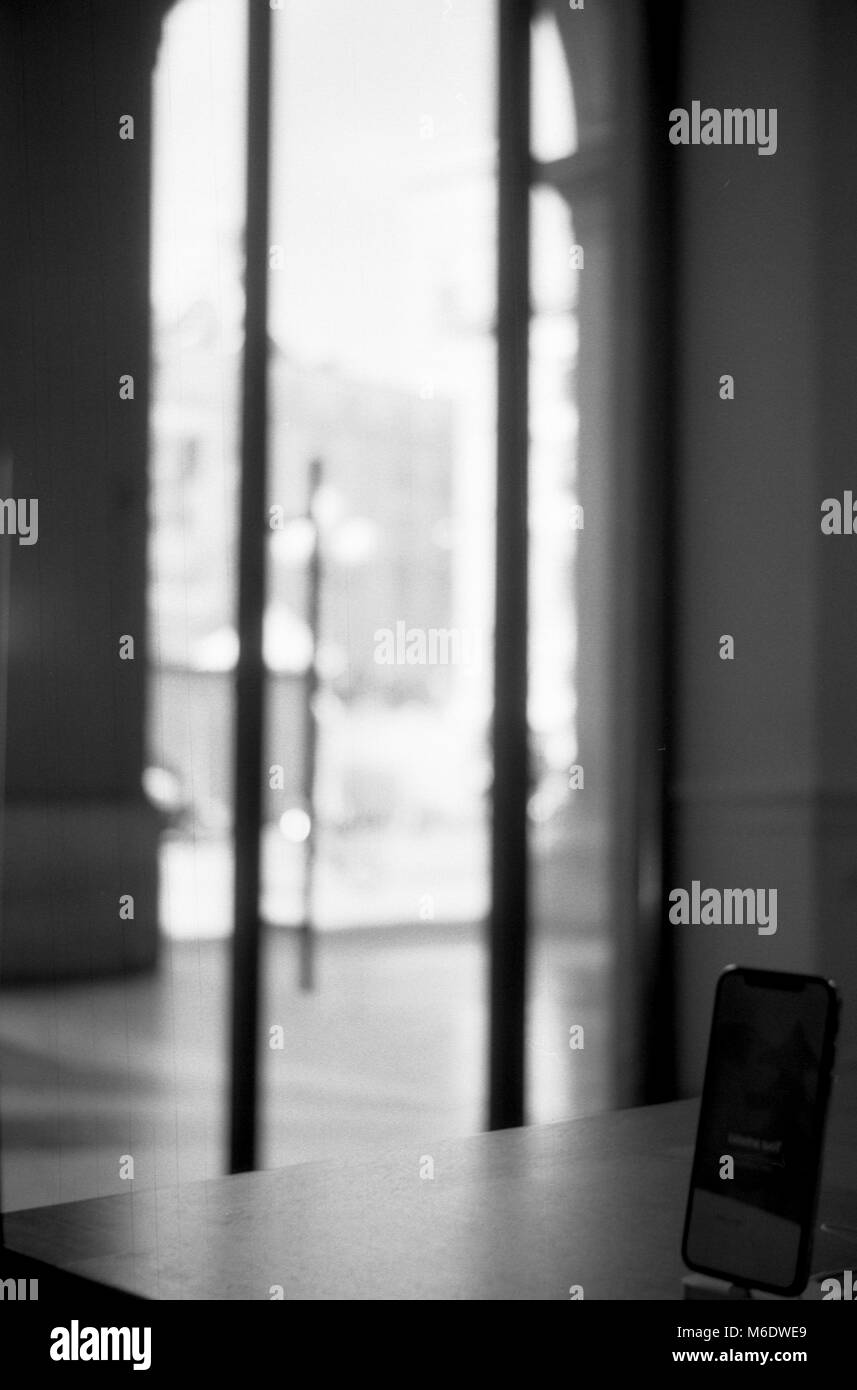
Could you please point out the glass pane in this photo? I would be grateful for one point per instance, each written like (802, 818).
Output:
(382, 295)
(569, 1067)
(197, 295)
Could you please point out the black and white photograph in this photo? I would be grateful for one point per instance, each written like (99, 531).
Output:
(428, 673)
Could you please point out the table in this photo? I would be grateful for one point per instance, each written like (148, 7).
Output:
(517, 1214)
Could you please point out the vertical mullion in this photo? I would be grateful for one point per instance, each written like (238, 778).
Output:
(509, 886)
(644, 534)
(250, 676)
(664, 29)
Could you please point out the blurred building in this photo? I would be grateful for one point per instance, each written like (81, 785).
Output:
(383, 515)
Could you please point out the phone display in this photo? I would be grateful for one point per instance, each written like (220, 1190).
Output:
(754, 1183)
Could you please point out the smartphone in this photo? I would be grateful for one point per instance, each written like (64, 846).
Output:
(754, 1182)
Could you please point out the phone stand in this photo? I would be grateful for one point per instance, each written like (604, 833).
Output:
(701, 1286)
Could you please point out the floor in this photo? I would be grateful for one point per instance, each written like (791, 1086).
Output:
(106, 1081)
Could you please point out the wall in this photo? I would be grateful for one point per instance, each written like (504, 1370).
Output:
(765, 754)
(75, 264)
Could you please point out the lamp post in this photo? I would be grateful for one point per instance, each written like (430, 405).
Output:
(314, 541)
(306, 937)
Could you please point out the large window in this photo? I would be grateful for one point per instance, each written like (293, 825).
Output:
(378, 637)
(385, 342)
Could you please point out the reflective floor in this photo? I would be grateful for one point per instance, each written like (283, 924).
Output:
(388, 1051)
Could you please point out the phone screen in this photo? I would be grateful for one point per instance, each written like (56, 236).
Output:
(763, 1106)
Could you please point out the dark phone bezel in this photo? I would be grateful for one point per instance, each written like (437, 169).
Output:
(786, 980)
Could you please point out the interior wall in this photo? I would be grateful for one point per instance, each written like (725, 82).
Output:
(766, 782)
(75, 248)
(835, 557)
